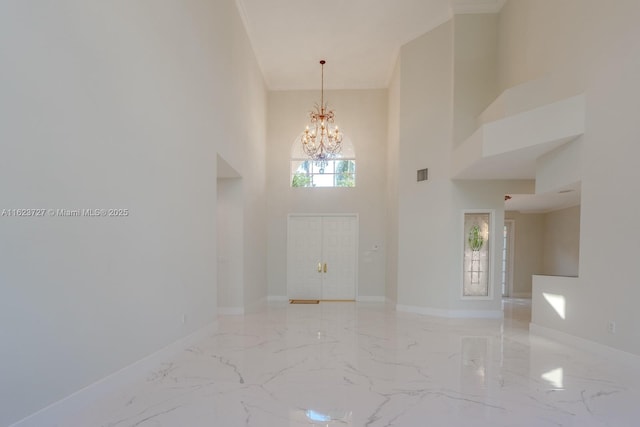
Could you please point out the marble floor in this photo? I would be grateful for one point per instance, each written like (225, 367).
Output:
(363, 364)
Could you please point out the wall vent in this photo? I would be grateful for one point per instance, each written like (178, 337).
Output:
(423, 174)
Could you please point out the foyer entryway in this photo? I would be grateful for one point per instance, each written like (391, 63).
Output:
(322, 257)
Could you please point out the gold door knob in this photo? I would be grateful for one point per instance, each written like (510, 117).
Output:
(319, 267)
(325, 267)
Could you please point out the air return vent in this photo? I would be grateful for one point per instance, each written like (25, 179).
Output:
(423, 174)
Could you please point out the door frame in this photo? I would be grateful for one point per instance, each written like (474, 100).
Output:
(357, 243)
(510, 252)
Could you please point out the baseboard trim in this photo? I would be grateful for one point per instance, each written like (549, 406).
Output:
(583, 344)
(370, 298)
(58, 412)
(454, 314)
(520, 295)
(277, 298)
(361, 298)
(256, 305)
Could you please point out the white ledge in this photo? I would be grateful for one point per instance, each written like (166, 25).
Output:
(508, 148)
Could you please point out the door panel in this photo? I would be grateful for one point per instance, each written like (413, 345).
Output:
(339, 254)
(304, 253)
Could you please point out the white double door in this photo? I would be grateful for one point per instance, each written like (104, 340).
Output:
(322, 257)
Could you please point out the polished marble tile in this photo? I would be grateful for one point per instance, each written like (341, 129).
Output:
(348, 364)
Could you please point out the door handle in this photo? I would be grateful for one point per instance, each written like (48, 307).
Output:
(325, 267)
(319, 267)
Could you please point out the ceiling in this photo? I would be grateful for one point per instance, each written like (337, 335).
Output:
(359, 39)
(562, 198)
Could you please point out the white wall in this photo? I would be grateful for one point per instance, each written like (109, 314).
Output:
(393, 141)
(246, 150)
(116, 105)
(594, 44)
(426, 219)
(475, 86)
(362, 116)
(561, 247)
(559, 168)
(475, 70)
(436, 106)
(555, 300)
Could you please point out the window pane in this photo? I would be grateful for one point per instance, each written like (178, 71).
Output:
(323, 167)
(476, 254)
(323, 180)
(345, 180)
(305, 167)
(331, 173)
(300, 180)
(296, 166)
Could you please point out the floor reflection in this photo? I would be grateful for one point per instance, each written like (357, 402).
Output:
(364, 364)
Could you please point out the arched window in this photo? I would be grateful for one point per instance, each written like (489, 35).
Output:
(338, 171)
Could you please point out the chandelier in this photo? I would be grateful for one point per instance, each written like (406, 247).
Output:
(322, 141)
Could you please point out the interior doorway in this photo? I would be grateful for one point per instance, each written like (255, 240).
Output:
(230, 239)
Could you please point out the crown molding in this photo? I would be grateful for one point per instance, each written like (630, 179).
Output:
(477, 6)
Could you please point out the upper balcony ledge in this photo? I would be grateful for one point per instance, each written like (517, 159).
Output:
(508, 148)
